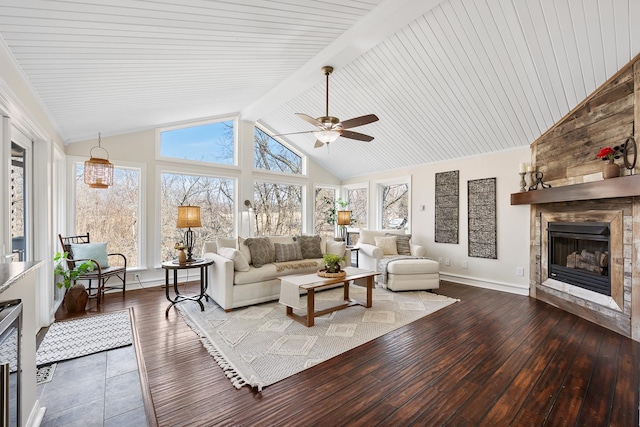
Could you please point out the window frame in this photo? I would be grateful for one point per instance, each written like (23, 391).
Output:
(190, 124)
(302, 182)
(337, 194)
(379, 202)
(359, 186)
(304, 166)
(181, 170)
(72, 161)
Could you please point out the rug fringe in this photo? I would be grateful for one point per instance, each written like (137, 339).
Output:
(229, 370)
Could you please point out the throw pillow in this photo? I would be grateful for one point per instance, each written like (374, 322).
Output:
(96, 251)
(387, 244)
(310, 246)
(239, 261)
(244, 249)
(288, 252)
(261, 251)
(403, 243)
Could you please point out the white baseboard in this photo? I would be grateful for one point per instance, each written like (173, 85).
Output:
(487, 284)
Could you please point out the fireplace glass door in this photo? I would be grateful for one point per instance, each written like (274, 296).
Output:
(579, 255)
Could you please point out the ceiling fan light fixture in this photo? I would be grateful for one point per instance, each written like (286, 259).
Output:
(327, 136)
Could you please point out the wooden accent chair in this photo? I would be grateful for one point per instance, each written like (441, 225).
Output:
(117, 267)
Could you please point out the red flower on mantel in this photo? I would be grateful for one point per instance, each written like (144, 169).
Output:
(608, 153)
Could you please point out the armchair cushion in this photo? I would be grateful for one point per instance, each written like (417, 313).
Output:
(239, 261)
(95, 251)
(403, 243)
(387, 244)
(242, 247)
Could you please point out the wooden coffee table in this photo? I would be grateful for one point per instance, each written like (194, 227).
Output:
(313, 282)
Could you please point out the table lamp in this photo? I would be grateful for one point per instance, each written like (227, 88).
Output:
(189, 216)
(344, 219)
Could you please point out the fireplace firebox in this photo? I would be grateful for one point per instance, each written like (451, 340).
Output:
(579, 254)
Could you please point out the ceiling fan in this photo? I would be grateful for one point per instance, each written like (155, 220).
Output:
(329, 128)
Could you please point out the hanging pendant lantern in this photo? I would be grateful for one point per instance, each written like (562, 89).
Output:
(98, 172)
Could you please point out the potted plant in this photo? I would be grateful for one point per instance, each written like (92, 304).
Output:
(332, 262)
(76, 296)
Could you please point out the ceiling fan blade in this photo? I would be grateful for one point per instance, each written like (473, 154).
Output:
(295, 133)
(318, 144)
(356, 135)
(310, 119)
(359, 121)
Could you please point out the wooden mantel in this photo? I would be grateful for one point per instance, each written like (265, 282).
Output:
(624, 186)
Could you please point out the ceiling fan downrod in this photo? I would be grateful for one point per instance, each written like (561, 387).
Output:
(327, 70)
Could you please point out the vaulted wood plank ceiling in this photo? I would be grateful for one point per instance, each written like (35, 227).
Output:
(446, 78)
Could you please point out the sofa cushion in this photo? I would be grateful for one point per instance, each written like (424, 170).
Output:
(261, 251)
(287, 252)
(283, 240)
(226, 242)
(403, 243)
(244, 249)
(387, 244)
(310, 246)
(270, 272)
(239, 261)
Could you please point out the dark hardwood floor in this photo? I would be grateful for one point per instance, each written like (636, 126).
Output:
(492, 359)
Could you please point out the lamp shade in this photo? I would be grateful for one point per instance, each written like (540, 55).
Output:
(98, 173)
(188, 216)
(327, 136)
(344, 217)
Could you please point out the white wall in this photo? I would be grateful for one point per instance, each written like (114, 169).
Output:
(513, 221)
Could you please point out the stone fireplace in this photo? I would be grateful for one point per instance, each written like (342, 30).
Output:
(581, 200)
(594, 242)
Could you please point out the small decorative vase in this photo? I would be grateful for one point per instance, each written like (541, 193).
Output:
(75, 300)
(182, 257)
(610, 170)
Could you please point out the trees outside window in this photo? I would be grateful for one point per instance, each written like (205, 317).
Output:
(395, 206)
(325, 202)
(277, 209)
(357, 198)
(111, 215)
(203, 142)
(214, 195)
(271, 155)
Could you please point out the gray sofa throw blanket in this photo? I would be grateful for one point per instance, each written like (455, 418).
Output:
(382, 266)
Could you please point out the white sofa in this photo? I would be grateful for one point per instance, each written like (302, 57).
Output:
(402, 274)
(231, 288)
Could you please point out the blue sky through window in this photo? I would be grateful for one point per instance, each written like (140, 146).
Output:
(211, 142)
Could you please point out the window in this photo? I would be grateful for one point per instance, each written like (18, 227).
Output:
(277, 209)
(357, 199)
(111, 215)
(325, 211)
(271, 155)
(395, 206)
(214, 196)
(209, 143)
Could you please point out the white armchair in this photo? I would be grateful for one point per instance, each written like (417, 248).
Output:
(402, 274)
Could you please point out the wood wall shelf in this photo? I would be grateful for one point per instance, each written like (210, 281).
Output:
(624, 186)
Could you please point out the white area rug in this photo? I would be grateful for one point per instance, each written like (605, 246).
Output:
(79, 337)
(260, 345)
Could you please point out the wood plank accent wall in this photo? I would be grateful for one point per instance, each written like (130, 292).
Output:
(566, 154)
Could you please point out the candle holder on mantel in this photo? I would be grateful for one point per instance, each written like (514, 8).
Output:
(523, 183)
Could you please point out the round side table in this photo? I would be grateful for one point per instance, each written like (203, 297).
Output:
(174, 266)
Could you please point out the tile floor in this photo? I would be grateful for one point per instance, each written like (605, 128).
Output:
(101, 389)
